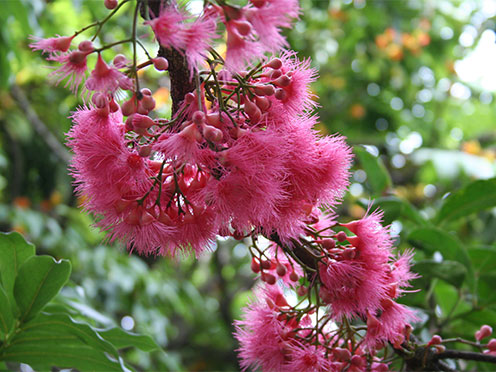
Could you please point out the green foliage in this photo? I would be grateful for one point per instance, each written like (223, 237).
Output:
(45, 339)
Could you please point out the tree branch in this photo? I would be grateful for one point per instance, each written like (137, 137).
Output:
(39, 126)
(466, 355)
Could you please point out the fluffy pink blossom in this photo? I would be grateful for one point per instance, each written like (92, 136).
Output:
(264, 337)
(268, 20)
(107, 79)
(73, 67)
(390, 325)
(250, 184)
(52, 45)
(240, 49)
(295, 97)
(308, 358)
(169, 28)
(198, 38)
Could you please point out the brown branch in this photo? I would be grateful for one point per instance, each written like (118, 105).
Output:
(466, 355)
(181, 82)
(39, 126)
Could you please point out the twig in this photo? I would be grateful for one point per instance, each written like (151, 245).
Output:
(39, 126)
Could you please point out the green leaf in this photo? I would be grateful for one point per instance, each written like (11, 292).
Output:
(6, 317)
(475, 197)
(432, 239)
(450, 271)
(121, 339)
(377, 175)
(55, 340)
(14, 251)
(39, 279)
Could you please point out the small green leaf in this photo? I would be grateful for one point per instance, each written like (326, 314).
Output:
(377, 175)
(450, 271)
(475, 197)
(39, 279)
(6, 317)
(14, 251)
(55, 340)
(121, 339)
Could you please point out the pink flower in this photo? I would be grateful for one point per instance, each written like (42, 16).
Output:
(295, 97)
(270, 18)
(113, 178)
(169, 27)
(198, 38)
(51, 45)
(73, 67)
(390, 325)
(107, 79)
(250, 183)
(262, 335)
(240, 49)
(307, 358)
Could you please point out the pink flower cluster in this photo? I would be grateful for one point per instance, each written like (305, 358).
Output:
(240, 158)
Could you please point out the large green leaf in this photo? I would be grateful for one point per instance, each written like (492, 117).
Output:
(121, 339)
(432, 239)
(377, 175)
(450, 271)
(39, 279)
(476, 196)
(55, 340)
(14, 251)
(6, 317)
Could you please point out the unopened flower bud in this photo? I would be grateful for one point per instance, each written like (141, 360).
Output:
(268, 278)
(160, 63)
(212, 134)
(280, 94)
(491, 345)
(142, 121)
(76, 57)
(189, 98)
(349, 253)
(435, 340)
(263, 103)
(328, 243)
(294, 276)
(198, 117)
(264, 90)
(243, 27)
(281, 269)
(120, 61)
(129, 107)
(255, 266)
(440, 348)
(341, 354)
(483, 332)
(111, 4)
(341, 236)
(213, 119)
(86, 46)
(99, 100)
(275, 74)
(282, 81)
(148, 102)
(252, 111)
(275, 63)
(114, 106)
(266, 264)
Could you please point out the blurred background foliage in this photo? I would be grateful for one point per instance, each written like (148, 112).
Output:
(410, 84)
